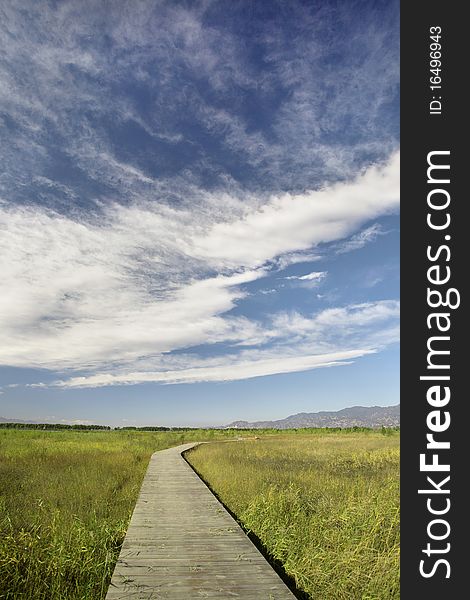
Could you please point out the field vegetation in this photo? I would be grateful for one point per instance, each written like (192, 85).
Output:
(66, 498)
(323, 503)
(324, 506)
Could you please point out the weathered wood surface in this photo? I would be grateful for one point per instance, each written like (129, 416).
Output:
(182, 544)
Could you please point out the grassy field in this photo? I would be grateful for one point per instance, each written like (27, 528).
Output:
(326, 506)
(65, 501)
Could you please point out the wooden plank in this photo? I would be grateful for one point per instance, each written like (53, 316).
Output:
(182, 544)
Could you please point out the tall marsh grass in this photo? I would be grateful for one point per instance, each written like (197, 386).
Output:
(65, 502)
(325, 506)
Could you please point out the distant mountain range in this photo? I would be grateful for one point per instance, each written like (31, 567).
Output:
(356, 416)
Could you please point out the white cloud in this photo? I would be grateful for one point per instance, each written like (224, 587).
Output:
(359, 240)
(295, 258)
(314, 277)
(290, 342)
(289, 223)
(136, 261)
(86, 62)
(143, 280)
(333, 328)
(226, 372)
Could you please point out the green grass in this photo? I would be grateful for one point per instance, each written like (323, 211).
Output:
(65, 502)
(326, 506)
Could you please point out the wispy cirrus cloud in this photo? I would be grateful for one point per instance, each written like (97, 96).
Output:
(229, 371)
(148, 85)
(314, 276)
(290, 342)
(158, 163)
(360, 239)
(144, 280)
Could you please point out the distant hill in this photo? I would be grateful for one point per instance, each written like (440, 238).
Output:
(356, 416)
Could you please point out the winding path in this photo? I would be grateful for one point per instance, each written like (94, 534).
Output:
(183, 545)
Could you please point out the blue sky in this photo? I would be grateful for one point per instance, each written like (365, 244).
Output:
(198, 209)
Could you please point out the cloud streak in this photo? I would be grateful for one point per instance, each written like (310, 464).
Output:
(291, 343)
(148, 279)
(359, 240)
(198, 80)
(222, 373)
(159, 164)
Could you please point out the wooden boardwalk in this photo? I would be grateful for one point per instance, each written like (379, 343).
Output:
(182, 544)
